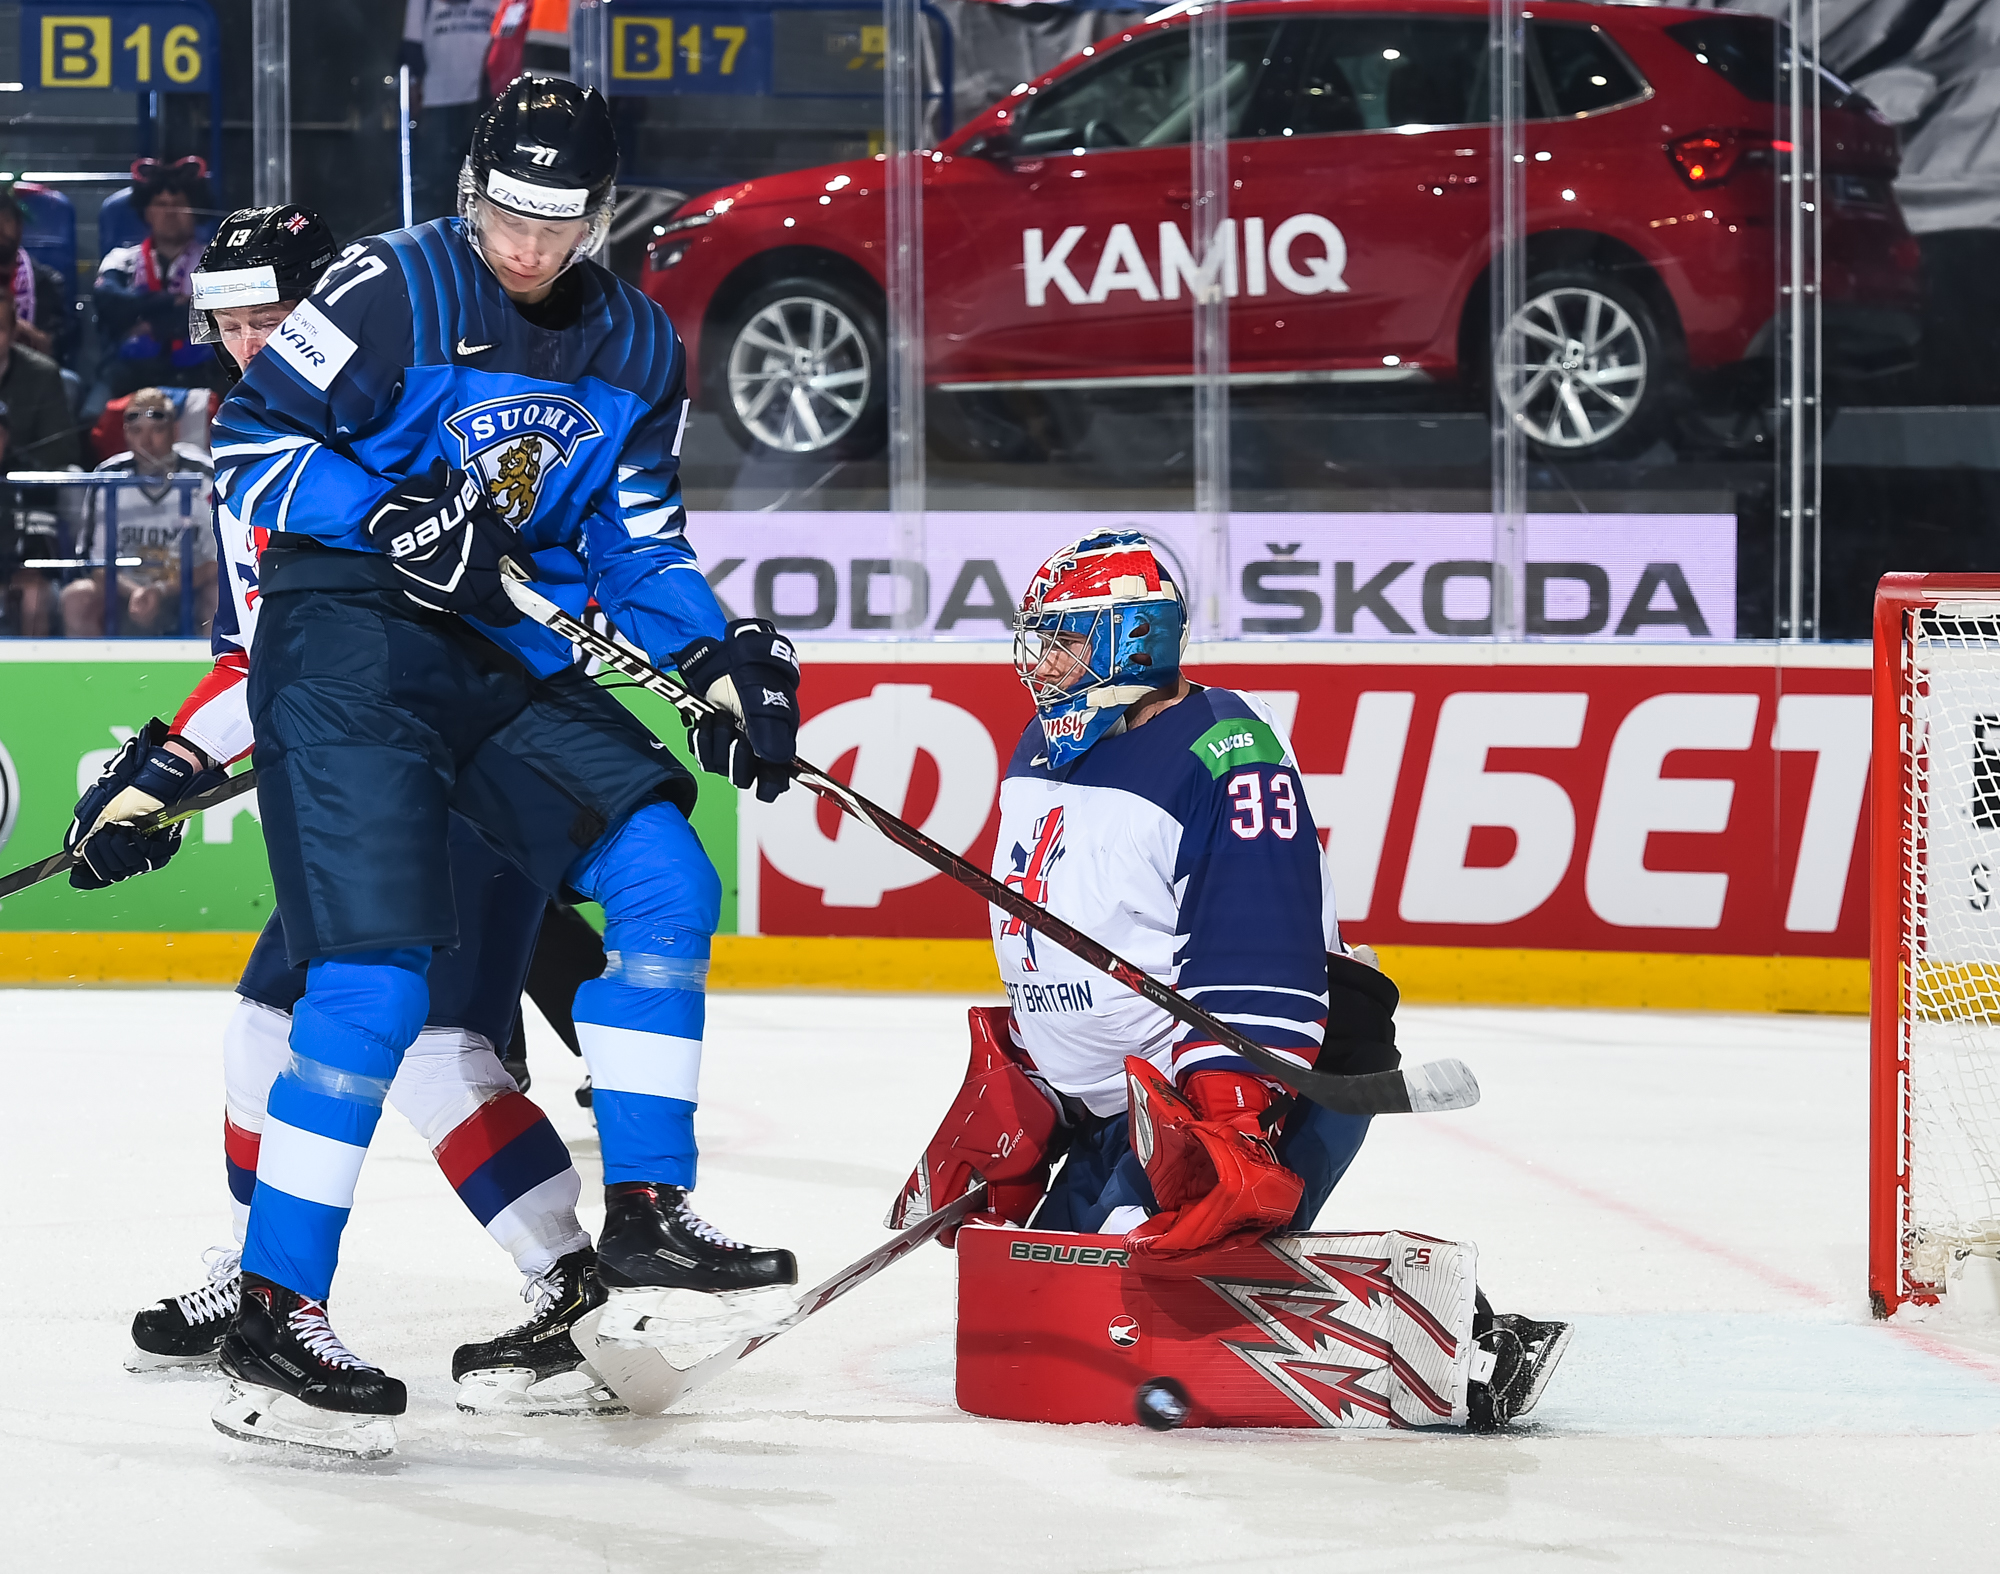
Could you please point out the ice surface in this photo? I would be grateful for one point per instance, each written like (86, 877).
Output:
(1689, 1189)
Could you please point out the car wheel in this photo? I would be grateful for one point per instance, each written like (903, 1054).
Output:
(805, 372)
(1587, 378)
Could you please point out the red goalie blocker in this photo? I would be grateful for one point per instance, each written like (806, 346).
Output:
(1309, 1330)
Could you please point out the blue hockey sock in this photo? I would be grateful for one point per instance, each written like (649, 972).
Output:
(359, 1014)
(640, 1025)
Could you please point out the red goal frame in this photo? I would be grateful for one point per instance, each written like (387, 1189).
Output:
(1897, 597)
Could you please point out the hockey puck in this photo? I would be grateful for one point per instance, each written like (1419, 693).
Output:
(1162, 1404)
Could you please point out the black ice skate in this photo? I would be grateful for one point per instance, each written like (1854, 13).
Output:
(536, 1369)
(293, 1381)
(1525, 1353)
(678, 1288)
(184, 1330)
(653, 1240)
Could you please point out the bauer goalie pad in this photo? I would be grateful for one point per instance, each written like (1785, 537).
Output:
(997, 1130)
(1361, 1332)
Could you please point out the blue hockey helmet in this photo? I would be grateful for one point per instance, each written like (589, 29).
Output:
(1101, 626)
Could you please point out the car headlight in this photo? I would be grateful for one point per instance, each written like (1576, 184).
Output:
(660, 258)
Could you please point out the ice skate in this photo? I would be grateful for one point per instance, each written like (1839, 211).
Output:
(293, 1383)
(537, 1369)
(677, 1288)
(184, 1330)
(1525, 1354)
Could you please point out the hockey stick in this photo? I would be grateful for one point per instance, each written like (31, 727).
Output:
(641, 1374)
(1426, 1089)
(173, 814)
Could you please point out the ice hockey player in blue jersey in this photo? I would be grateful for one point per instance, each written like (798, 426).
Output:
(451, 397)
(1168, 821)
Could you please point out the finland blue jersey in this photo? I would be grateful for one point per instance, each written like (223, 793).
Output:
(1186, 847)
(408, 352)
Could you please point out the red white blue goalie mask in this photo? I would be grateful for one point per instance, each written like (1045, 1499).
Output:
(1102, 625)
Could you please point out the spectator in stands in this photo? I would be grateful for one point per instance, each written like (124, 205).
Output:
(444, 45)
(151, 528)
(46, 325)
(27, 596)
(44, 431)
(141, 293)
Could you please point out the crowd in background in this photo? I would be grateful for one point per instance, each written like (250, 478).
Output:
(116, 384)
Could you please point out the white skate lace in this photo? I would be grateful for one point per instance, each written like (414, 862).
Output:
(309, 1326)
(541, 1292)
(698, 1226)
(219, 1296)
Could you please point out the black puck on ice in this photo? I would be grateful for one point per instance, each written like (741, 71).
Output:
(1162, 1404)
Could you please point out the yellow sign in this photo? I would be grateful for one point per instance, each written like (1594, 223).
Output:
(76, 51)
(643, 49)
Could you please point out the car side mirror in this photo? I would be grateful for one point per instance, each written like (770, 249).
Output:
(998, 146)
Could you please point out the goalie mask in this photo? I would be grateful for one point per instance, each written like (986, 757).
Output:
(1102, 625)
(547, 153)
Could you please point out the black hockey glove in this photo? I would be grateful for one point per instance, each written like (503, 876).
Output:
(751, 672)
(142, 778)
(439, 532)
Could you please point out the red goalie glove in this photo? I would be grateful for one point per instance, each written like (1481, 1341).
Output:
(1212, 1169)
(997, 1130)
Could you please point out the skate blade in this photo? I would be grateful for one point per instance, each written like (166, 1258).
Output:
(137, 1360)
(513, 1391)
(1545, 1367)
(687, 1326)
(263, 1415)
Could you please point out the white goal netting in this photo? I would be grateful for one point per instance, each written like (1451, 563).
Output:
(1950, 996)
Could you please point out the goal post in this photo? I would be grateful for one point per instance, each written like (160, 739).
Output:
(1934, 935)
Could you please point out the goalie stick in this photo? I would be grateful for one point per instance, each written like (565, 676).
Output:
(173, 814)
(1426, 1089)
(649, 1383)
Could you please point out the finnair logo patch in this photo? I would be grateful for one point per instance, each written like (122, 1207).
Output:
(542, 202)
(514, 442)
(312, 346)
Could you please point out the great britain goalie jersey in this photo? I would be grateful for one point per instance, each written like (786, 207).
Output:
(1185, 846)
(408, 351)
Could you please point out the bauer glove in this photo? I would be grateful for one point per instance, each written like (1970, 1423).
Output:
(142, 778)
(438, 531)
(751, 673)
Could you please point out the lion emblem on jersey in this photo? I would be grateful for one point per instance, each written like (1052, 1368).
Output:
(514, 481)
(519, 445)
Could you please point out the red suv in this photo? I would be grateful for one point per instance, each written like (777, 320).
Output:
(1056, 229)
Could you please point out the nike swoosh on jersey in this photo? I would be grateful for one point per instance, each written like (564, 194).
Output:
(472, 349)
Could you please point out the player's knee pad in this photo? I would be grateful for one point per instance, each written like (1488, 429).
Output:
(362, 1011)
(998, 1129)
(445, 1077)
(256, 1044)
(652, 878)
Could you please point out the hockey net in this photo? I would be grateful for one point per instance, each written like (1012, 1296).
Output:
(1935, 935)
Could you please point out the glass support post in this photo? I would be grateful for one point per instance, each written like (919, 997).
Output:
(403, 144)
(1210, 240)
(1800, 407)
(1507, 289)
(903, 138)
(590, 45)
(271, 100)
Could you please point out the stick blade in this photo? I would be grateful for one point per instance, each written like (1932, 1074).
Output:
(1439, 1085)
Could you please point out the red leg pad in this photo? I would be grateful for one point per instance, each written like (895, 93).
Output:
(997, 1130)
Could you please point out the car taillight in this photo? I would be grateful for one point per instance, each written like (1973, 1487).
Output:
(1709, 159)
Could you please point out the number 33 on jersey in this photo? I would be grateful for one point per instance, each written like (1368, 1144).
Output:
(1187, 847)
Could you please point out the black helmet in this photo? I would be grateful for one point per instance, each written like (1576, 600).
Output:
(259, 255)
(545, 149)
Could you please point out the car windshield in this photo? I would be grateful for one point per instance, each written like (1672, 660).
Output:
(1140, 96)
